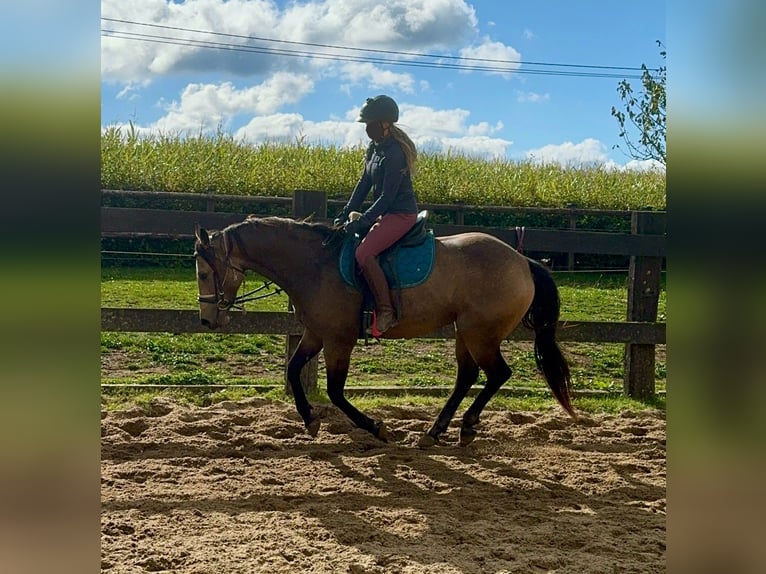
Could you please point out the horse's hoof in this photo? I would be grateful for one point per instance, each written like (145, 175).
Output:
(427, 441)
(382, 432)
(467, 436)
(313, 427)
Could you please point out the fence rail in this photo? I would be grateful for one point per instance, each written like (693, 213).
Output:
(138, 222)
(645, 245)
(283, 322)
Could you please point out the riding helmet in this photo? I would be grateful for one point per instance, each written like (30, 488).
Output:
(381, 108)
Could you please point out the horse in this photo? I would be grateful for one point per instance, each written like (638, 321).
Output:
(479, 284)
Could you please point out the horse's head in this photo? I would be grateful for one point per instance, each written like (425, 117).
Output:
(218, 280)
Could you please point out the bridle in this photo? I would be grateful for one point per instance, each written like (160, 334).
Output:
(219, 298)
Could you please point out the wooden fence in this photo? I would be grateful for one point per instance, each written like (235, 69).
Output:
(645, 246)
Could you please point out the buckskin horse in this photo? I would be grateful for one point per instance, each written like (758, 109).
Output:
(478, 283)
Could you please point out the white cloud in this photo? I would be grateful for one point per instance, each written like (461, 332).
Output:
(397, 25)
(489, 50)
(441, 131)
(276, 127)
(475, 146)
(531, 97)
(125, 60)
(375, 78)
(644, 165)
(483, 128)
(206, 107)
(436, 123)
(528, 34)
(289, 128)
(588, 152)
(128, 92)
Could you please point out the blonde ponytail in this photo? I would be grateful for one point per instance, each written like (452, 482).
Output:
(410, 152)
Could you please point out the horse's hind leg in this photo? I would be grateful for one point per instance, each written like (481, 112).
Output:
(467, 373)
(309, 346)
(497, 371)
(337, 361)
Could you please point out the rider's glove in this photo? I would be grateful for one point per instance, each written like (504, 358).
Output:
(360, 226)
(341, 218)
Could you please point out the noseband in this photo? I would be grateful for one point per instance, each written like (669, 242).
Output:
(218, 298)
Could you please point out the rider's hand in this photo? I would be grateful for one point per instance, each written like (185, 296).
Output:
(359, 226)
(341, 218)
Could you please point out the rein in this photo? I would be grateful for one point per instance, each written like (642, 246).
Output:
(250, 296)
(337, 235)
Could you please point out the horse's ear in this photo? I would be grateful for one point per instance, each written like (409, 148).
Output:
(308, 219)
(202, 235)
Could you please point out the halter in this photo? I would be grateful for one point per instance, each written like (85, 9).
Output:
(218, 298)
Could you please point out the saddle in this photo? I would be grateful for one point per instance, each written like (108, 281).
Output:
(407, 263)
(415, 236)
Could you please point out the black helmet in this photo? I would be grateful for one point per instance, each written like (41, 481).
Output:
(380, 108)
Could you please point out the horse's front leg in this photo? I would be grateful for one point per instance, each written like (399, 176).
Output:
(337, 359)
(310, 344)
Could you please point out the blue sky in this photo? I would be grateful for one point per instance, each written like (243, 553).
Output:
(515, 114)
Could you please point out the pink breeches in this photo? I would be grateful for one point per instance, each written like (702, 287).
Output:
(386, 231)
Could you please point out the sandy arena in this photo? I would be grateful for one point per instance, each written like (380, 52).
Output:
(239, 487)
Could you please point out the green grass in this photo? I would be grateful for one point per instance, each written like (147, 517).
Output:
(170, 361)
(231, 167)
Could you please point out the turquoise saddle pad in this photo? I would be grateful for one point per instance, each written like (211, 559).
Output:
(411, 265)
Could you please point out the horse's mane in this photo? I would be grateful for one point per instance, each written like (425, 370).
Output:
(323, 229)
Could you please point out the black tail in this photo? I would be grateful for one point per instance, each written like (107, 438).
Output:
(543, 317)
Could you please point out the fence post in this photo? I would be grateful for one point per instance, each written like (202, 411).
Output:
(643, 299)
(305, 203)
(460, 214)
(572, 227)
(210, 203)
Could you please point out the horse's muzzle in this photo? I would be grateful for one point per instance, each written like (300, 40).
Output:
(222, 319)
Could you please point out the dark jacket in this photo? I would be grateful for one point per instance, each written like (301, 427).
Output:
(385, 171)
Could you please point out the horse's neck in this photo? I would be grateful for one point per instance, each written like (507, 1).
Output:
(282, 252)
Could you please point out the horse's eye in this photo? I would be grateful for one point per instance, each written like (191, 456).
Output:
(202, 276)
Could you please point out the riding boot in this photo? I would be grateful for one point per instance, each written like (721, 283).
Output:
(385, 318)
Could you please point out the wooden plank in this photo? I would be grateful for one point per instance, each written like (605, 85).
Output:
(187, 321)
(126, 222)
(563, 241)
(456, 207)
(583, 332)
(282, 323)
(175, 195)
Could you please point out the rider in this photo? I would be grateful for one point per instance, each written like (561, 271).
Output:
(388, 170)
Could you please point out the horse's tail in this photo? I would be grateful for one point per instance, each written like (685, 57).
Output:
(542, 317)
